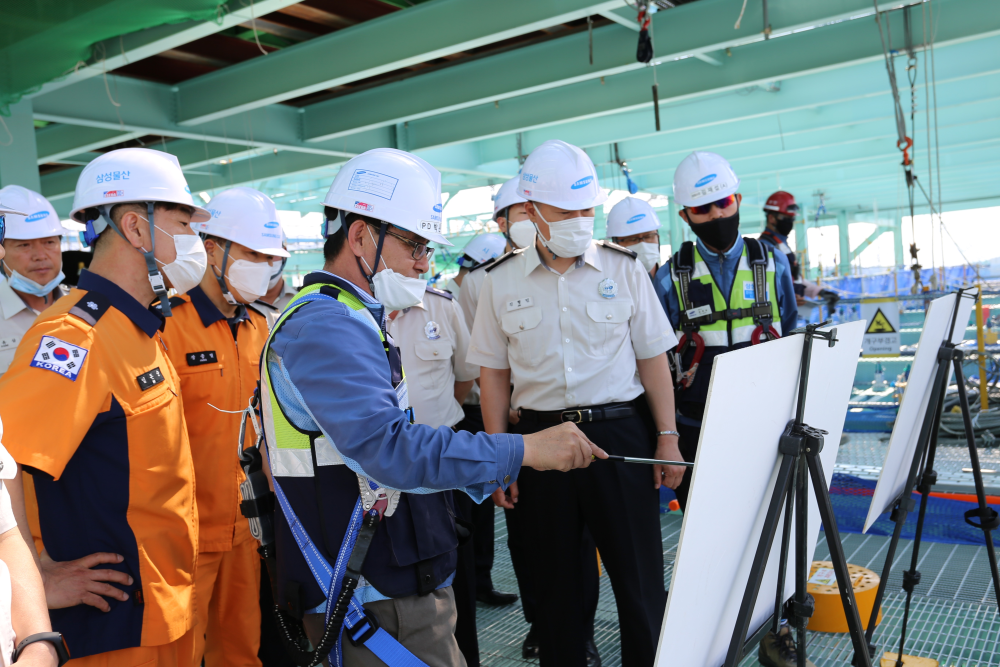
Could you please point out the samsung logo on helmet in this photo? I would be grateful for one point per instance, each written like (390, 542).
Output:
(635, 218)
(271, 225)
(582, 183)
(437, 208)
(35, 217)
(705, 181)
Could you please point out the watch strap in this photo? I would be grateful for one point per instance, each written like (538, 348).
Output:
(658, 433)
(54, 638)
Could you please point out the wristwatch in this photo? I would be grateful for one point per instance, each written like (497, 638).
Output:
(54, 638)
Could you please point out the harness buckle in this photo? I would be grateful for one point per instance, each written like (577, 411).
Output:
(377, 498)
(364, 629)
(568, 416)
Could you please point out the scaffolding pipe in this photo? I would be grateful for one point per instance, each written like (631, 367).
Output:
(984, 399)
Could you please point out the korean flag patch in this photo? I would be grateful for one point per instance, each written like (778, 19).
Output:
(60, 357)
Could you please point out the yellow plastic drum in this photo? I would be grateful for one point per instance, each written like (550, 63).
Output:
(829, 614)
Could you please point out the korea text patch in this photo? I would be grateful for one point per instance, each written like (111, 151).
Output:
(60, 357)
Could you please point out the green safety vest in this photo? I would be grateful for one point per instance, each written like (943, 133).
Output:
(289, 448)
(725, 322)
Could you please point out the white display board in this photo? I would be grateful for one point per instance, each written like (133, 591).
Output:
(751, 399)
(882, 338)
(913, 406)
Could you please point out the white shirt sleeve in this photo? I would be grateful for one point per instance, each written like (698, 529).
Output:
(651, 332)
(488, 346)
(464, 371)
(7, 520)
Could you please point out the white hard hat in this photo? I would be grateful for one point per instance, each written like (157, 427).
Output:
(702, 178)
(631, 216)
(485, 247)
(39, 219)
(507, 196)
(246, 216)
(132, 175)
(7, 209)
(560, 175)
(393, 186)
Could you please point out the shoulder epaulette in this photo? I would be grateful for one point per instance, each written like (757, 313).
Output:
(263, 304)
(441, 292)
(503, 258)
(91, 307)
(617, 248)
(490, 262)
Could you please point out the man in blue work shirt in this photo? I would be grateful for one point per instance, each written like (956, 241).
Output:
(336, 421)
(728, 305)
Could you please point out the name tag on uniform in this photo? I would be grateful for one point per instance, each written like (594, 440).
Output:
(700, 311)
(149, 379)
(517, 304)
(60, 357)
(201, 358)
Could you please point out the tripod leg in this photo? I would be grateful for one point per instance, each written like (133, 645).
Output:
(786, 535)
(928, 427)
(987, 516)
(781, 489)
(838, 558)
(801, 556)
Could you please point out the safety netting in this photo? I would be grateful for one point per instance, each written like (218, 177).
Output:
(900, 282)
(44, 40)
(944, 522)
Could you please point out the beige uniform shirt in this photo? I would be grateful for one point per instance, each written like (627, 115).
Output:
(468, 299)
(15, 319)
(433, 341)
(573, 339)
(273, 310)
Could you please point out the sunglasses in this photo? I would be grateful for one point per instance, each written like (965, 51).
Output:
(3, 228)
(705, 209)
(420, 250)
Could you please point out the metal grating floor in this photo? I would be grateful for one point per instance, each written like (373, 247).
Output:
(954, 617)
(862, 454)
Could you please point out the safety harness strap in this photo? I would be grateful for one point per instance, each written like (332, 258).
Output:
(761, 310)
(331, 579)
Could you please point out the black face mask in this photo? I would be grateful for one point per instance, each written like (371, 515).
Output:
(783, 224)
(719, 234)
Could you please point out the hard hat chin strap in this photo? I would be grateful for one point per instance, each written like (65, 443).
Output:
(221, 278)
(155, 277)
(383, 228)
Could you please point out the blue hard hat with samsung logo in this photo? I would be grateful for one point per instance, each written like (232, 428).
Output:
(631, 216)
(31, 215)
(702, 178)
(560, 175)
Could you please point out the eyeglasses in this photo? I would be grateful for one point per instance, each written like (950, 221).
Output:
(705, 209)
(648, 237)
(420, 250)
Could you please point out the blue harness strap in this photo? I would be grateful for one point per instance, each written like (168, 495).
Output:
(330, 580)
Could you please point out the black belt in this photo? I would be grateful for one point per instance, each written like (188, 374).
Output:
(594, 413)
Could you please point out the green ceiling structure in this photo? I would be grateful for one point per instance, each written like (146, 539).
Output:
(809, 109)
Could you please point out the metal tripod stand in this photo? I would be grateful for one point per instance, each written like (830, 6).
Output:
(949, 358)
(800, 446)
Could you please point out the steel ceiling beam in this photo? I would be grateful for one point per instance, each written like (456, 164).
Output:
(61, 141)
(111, 54)
(690, 30)
(418, 34)
(795, 55)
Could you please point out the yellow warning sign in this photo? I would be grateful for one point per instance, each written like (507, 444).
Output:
(880, 324)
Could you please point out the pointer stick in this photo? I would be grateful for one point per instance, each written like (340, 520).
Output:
(632, 459)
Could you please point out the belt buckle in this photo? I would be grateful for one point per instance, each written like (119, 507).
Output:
(567, 416)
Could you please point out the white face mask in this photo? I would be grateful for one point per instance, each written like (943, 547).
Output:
(394, 290)
(188, 268)
(250, 279)
(569, 238)
(649, 254)
(522, 233)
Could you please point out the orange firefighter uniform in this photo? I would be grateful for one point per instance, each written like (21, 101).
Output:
(218, 362)
(112, 468)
